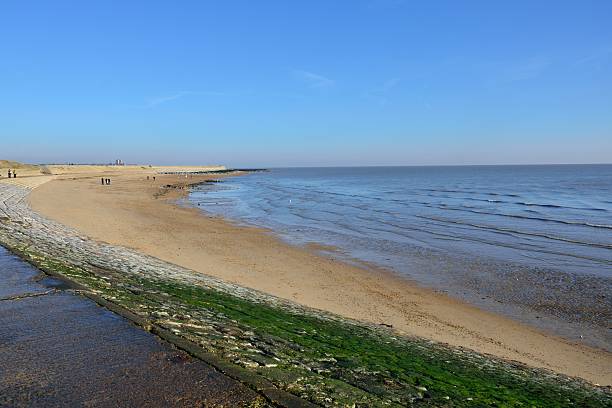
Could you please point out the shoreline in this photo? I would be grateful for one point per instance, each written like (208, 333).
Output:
(380, 298)
(558, 303)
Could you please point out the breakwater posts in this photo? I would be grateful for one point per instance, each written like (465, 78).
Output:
(294, 355)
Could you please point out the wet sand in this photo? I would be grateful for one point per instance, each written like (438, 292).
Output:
(60, 349)
(143, 215)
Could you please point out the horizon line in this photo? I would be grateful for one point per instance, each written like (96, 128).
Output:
(324, 166)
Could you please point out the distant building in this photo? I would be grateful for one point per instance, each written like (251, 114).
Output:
(119, 162)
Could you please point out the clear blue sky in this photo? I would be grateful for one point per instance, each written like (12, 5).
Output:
(317, 82)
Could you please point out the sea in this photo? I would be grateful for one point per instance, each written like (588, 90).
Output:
(531, 242)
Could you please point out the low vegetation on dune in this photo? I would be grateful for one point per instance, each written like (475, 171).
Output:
(9, 164)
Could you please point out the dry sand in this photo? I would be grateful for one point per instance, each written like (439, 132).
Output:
(140, 214)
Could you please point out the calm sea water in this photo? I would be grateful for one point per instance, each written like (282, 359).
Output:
(465, 229)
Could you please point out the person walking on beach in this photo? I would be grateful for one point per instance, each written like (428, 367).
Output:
(102, 180)
(9, 173)
(14, 174)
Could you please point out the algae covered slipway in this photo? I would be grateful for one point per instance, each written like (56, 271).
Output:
(290, 354)
(60, 349)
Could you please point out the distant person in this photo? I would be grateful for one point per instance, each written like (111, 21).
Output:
(102, 180)
(9, 174)
(153, 178)
(14, 174)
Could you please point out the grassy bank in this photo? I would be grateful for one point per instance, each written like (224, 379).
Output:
(322, 358)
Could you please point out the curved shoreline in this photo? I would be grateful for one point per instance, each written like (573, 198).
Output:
(129, 215)
(567, 305)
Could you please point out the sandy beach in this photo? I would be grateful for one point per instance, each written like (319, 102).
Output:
(144, 215)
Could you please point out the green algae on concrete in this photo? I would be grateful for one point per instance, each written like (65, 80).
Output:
(59, 349)
(323, 358)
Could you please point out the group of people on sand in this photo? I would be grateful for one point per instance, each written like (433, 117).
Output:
(11, 173)
(103, 181)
